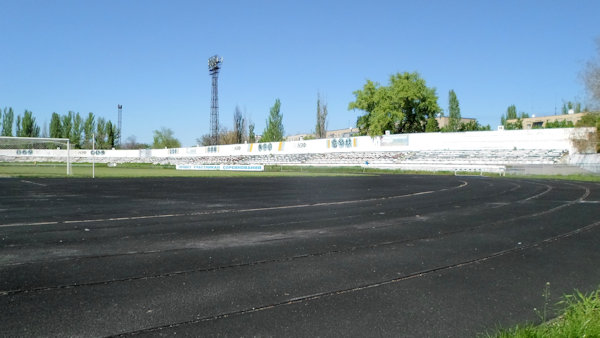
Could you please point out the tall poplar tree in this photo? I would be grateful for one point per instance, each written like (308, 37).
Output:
(55, 126)
(77, 130)
(7, 121)
(454, 118)
(27, 125)
(251, 134)
(274, 129)
(67, 125)
(110, 135)
(101, 133)
(321, 126)
(89, 125)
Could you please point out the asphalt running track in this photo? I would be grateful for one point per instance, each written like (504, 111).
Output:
(345, 256)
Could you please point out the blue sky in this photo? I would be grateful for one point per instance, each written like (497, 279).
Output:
(151, 57)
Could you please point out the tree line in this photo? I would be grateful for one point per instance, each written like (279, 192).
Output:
(80, 131)
(405, 105)
(513, 121)
(244, 129)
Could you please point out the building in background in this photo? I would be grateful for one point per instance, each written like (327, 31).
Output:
(541, 121)
(347, 132)
(444, 121)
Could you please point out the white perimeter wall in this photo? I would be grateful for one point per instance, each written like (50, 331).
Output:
(555, 139)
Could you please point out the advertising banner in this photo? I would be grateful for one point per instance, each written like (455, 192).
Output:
(227, 167)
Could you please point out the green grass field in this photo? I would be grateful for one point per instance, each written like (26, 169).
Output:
(59, 170)
(140, 170)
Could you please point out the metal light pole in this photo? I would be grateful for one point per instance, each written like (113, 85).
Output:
(93, 156)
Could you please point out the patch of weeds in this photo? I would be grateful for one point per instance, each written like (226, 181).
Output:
(580, 317)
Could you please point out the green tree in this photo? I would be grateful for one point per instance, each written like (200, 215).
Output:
(274, 129)
(67, 125)
(454, 118)
(110, 135)
(511, 114)
(27, 126)
(321, 126)
(7, 121)
(567, 106)
(18, 127)
(473, 125)
(589, 120)
(77, 131)
(89, 126)
(432, 125)
(559, 124)
(55, 126)
(251, 134)
(101, 133)
(565, 109)
(402, 107)
(165, 138)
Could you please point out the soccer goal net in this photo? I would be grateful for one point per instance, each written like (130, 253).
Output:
(34, 151)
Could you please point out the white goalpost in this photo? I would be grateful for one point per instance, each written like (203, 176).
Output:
(35, 149)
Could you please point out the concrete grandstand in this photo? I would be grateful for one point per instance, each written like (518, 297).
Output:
(571, 149)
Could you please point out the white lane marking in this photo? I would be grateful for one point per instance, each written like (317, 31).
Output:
(222, 211)
(40, 184)
(548, 189)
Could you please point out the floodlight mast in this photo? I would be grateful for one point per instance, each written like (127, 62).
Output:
(214, 64)
(120, 110)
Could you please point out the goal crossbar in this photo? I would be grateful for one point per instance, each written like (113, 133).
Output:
(8, 141)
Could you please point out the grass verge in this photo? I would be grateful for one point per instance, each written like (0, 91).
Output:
(140, 170)
(572, 177)
(580, 317)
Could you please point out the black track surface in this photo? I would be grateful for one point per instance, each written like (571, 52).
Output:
(346, 256)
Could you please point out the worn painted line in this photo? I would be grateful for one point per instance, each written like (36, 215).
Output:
(212, 212)
(326, 294)
(34, 183)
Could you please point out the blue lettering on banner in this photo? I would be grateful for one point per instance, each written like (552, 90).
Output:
(220, 167)
(341, 143)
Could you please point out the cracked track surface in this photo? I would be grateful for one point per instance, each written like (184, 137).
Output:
(344, 256)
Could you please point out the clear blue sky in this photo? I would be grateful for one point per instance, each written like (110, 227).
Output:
(151, 57)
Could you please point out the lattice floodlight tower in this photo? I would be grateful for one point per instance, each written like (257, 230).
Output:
(214, 64)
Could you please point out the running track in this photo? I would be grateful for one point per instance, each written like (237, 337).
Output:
(344, 256)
